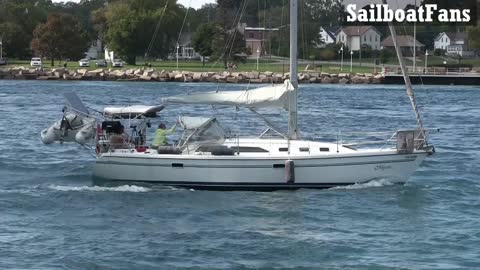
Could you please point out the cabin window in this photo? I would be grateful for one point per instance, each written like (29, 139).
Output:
(304, 149)
(324, 149)
(277, 166)
(283, 149)
(246, 149)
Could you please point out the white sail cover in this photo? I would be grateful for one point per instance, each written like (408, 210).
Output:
(132, 111)
(270, 96)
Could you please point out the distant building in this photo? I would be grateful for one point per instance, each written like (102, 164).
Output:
(406, 44)
(355, 36)
(95, 50)
(327, 36)
(109, 55)
(186, 50)
(256, 38)
(454, 43)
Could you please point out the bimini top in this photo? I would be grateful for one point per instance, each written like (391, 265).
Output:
(131, 112)
(264, 97)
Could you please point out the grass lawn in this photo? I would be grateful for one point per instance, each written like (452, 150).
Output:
(197, 66)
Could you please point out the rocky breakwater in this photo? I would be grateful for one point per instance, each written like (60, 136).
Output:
(184, 76)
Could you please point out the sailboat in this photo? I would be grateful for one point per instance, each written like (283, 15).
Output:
(208, 157)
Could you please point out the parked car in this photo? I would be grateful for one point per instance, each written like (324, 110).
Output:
(3, 61)
(117, 63)
(36, 62)
(84, 63)
(101, 63)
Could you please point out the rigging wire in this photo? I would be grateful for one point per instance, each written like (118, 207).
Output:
(302, 23)
(409, 88)
(183, 24)
(236, 29)
(230, 39)
(404, 26)
(157, 28)
(281, 37)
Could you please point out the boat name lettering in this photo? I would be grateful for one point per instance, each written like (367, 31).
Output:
(382, 167)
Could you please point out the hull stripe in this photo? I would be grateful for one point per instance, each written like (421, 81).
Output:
(255, 166)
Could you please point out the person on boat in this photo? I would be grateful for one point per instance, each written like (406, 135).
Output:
(160, 138)
(119, 140)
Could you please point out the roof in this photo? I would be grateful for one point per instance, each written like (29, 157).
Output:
(331, 31)
(402, 41)
(185, 38)
(357, 30)
(453, 35)
(456, 35)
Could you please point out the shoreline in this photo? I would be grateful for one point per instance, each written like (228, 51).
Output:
(232, 77)
(153, 75)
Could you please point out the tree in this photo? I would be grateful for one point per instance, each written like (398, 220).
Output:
(385, 56)
(59, 38)
(15, 40)
(312, 14)
(229, 43)
(474, 37)
(83, 11)
(229, 46)
(203, 40)
(204, 15)
(18, 19)
(131, 28)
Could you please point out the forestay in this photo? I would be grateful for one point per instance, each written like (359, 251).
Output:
(264, 97)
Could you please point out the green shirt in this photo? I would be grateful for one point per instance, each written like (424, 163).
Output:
(160, 138)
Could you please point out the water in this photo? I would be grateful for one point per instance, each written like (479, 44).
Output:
(52, 216)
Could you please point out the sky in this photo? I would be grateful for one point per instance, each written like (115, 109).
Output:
(193, 3)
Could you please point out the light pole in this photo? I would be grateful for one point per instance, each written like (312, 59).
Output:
(426, 60)
(1, 49)
(178, 48)
(351, 61)
(258, 57)
(341, 63)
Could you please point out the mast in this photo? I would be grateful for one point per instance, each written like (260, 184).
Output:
(293, 132)
(408, 83)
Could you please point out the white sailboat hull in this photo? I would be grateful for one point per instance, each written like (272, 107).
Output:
(236, 172)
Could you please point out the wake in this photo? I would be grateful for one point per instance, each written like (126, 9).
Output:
(125, 188)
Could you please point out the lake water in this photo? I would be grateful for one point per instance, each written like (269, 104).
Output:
(52, 216)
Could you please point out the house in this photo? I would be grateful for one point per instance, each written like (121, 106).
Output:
(109, 55)
(327, 36)
(406, 44)
(256, 38)
(355, 36)
(95, 50)
(454, 43)
(185, 47)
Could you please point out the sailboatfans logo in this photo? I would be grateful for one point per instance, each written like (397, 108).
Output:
(411, 11)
